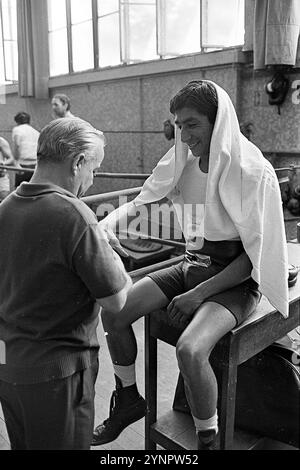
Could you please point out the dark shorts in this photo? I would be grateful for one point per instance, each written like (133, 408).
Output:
(240, 300)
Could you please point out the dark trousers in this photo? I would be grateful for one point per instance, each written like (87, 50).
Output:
(55, 415)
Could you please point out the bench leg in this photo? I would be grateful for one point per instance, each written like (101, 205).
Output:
(150, 383)
(227, 396)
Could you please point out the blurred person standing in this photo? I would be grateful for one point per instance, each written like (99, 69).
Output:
(24, 145)
(6, 158)
(61, 105)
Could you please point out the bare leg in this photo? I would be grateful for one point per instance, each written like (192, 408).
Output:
(210, 323)
(144, 297)
(127, 406)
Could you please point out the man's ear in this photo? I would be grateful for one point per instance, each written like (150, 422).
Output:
(77, 163)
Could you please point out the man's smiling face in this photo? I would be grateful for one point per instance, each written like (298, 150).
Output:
(196, 130)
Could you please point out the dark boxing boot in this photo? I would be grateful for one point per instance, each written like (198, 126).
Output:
(126, 407)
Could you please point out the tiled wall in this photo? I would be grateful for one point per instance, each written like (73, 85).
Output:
(131, 112)
(272, 132)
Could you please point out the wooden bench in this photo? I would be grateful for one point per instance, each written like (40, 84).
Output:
(175, 430)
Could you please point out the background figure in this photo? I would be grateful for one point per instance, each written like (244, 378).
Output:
(6, 158)
(61, 105)
(169, 130)
(59, 270)
(24, 145)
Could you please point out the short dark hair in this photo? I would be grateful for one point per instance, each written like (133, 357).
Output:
(64, 99)
(22, 118)
(199, 95)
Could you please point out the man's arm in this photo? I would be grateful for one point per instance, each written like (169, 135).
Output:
(118, 221)
(101, 269)
(15, 145)
(235, 273)
(115, 303)
(6, 152)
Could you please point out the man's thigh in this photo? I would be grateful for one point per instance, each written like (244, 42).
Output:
(210, 323)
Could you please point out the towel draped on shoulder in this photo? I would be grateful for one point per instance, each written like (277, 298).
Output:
(243, 186)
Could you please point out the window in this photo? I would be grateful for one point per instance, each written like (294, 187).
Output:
(82, 35)
(91, 34)
(179, 27)
(58, 38)
(138, 21)
(8, 41)
(223, 23)
(108, 15)
(70, 36)
(199, 25)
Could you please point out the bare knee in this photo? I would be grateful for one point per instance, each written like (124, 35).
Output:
(114, 321)
(191, 356)
(109, 320)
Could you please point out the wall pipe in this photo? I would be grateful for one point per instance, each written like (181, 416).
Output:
(99, 198)
(133, 176)
(121, 175)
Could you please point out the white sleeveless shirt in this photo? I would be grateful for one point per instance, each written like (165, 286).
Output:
(192, 188)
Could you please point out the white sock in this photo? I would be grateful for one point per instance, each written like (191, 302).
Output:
(206, 424)
(126, 374)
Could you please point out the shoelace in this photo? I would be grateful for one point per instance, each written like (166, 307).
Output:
(112, 405)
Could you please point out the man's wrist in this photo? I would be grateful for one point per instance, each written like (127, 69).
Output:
(205, 289)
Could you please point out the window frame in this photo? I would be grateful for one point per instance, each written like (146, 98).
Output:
(124, 34)
(7, 80)
(96, 34)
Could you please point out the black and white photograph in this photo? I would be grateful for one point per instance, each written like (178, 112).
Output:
(149, 229)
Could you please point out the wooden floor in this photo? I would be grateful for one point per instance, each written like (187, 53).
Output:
(133, 437)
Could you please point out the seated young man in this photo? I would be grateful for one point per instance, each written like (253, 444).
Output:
(215, 170)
